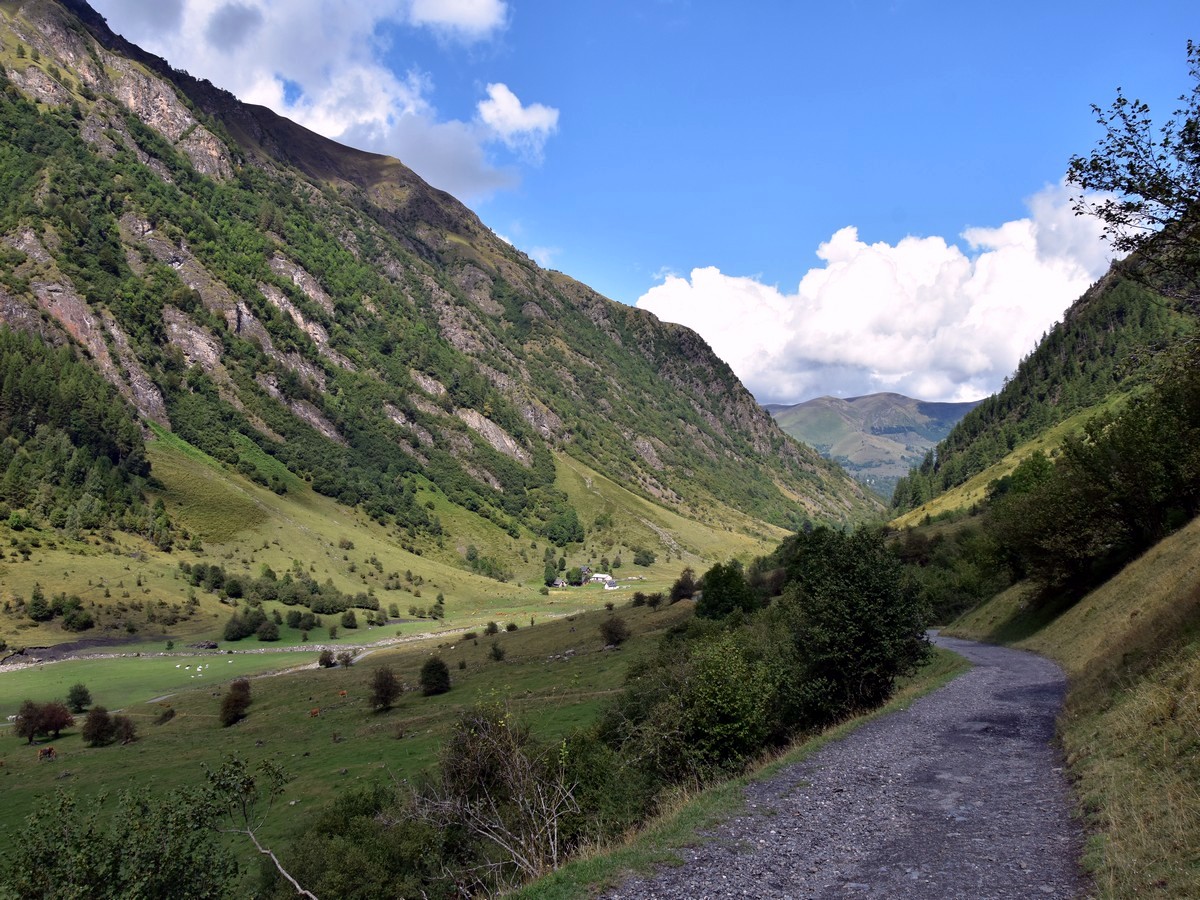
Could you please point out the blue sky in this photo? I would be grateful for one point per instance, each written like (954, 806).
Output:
(840, 198)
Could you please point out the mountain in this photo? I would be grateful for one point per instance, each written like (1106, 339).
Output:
(313, 315)
(1107, 345)
(876, 438)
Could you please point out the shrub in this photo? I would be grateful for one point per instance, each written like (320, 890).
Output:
(435, 676)
(235, 703)
(492, 628)
(346, 659)
(497, 652)
(79, 698)
(614, 631)
(511, 626)
(349, 620)
(268, 631)
(124, 729)
(98, 728)
(385, 688)
(326, 660)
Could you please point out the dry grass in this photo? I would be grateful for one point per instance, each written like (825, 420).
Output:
(1131, 727)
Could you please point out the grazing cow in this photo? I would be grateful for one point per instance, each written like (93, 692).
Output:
(314, 712)
(47, 753)
(341, 693)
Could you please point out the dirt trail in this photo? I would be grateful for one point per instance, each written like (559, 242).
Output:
(960, 796)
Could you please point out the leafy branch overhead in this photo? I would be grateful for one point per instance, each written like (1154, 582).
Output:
(1149, 184)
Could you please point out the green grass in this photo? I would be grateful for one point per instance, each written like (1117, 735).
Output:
(689, 813)
(975, 489)
(347, 744)
(244, 527)
(1130, 727)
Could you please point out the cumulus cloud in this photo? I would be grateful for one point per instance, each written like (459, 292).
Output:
(921, 317)
(334, 80)
(522, 128)
(469, 20)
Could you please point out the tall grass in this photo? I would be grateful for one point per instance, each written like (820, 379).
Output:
(1131, 726)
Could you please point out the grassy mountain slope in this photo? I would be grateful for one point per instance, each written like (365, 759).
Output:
(1132, 651)
(877, 438)
(1104, 345)
(322, 322)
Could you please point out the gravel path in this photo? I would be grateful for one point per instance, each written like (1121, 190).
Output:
(960, 796)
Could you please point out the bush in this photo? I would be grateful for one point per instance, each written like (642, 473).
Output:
(268, 631)
(79, 698)
(725, 592)
(614, 631)
(349, 620)
(235, 703)
(435, 677)
(124, 729)
(497, 652)
(326, 660)
(98, 728)
(345, 658)
(385, 688)
(511, 626)
(492, 628)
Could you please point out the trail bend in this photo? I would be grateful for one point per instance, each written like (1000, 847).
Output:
(960, 796)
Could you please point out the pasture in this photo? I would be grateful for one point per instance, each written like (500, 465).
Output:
(556, 675)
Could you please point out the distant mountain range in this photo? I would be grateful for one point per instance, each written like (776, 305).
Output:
(876, 438)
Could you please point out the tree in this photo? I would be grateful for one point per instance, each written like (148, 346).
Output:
(614, 631)
(1150, 184)
(55, 717)
(385, 688)
(78, 698)
(124, 730)
(243, 801)
(725, 590)
(98, 727)
(435, 677)
(643, 557)
(345, 658)
(268, 631)
(28, 724)
(326, 660)
(349, 620)
(235, 702)
(684, 586)
(856, 622)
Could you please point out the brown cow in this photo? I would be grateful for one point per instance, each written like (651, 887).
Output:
(341, 693)
(47, 753)
(314, 712)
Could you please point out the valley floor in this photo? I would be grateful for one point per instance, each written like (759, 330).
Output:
(961, 795)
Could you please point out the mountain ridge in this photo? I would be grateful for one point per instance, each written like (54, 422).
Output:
(877, 437)
(359, 326)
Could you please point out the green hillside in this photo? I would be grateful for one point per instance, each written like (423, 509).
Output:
(1132, 651)
(284, 312)
(1107, 343)
(877, 438)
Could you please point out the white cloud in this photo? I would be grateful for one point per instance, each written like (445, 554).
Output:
(470, 20)
(522, 128)
(333, 78)
(921, 317)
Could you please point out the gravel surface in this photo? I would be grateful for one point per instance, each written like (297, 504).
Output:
(962, 796)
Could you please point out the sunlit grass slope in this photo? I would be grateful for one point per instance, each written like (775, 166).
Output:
(974, 490)
(1131, 729)
(131, 587)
